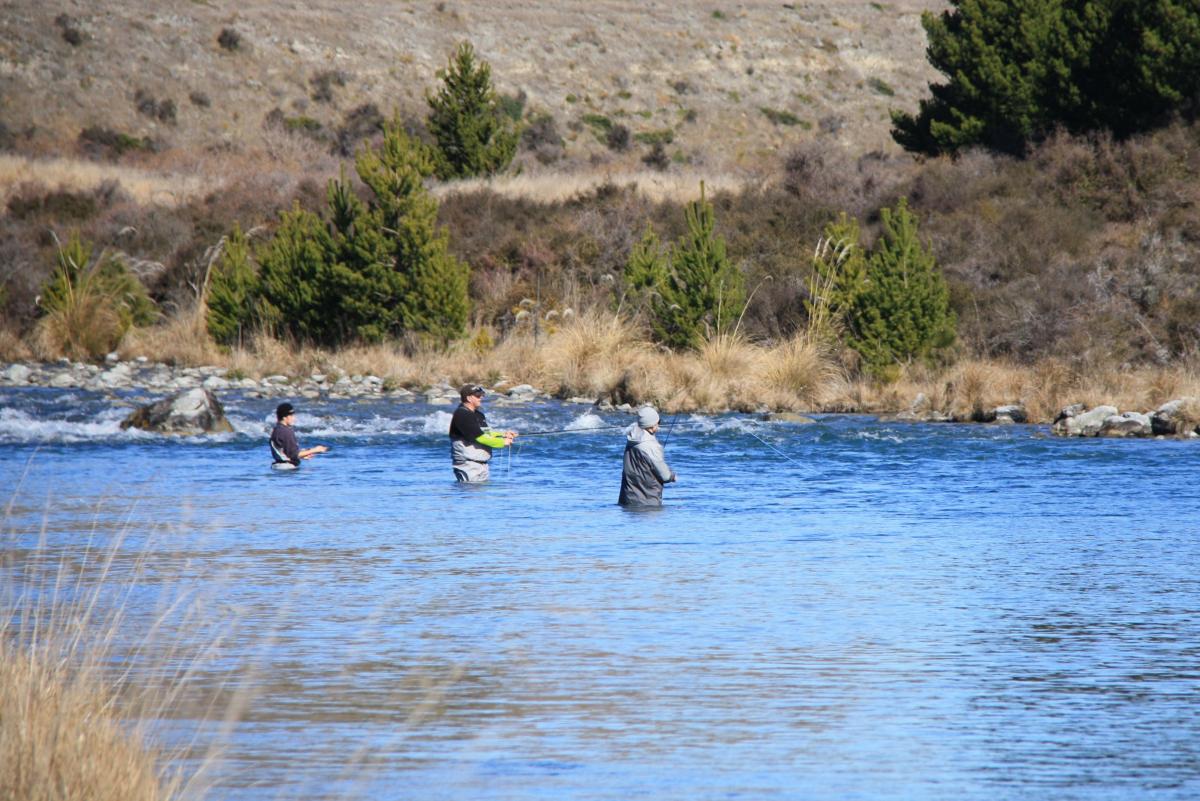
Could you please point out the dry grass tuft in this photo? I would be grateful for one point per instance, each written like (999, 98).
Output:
(86, 326)
(78, 175)
(60, 736)
(182, 340)
(12, 347)
(590, 354)
(559, 187)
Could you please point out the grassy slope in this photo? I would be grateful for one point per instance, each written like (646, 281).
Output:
(641, 64)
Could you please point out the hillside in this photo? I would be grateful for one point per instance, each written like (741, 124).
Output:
(732, 83)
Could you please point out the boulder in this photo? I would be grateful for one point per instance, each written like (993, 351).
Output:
(17, 374)
(787, 417)
(196, 411)
(1011, 413)
(1073, 421)
(1126, 424)
(522, 392)
(1178, 417)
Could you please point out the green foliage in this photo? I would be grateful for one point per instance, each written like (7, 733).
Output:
(376, 269)
(645, 271)
(779, 116)
(1018, 70)
(899, 308)
(89, 303)
(232, 290)
(295, 280)
(838, 277)
(474, 134)
(702, 293)
(428, 282)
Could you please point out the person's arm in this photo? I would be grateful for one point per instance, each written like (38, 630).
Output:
(309, 453)
(658, 462)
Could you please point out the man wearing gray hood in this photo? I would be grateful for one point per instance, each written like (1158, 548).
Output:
(646, 468)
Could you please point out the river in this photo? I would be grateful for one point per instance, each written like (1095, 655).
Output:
(849, 609)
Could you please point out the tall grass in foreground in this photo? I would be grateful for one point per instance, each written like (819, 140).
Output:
(79, 689)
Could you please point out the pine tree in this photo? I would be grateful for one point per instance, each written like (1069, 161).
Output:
(1018, 69)
(410, 254)
(703, 293)
(232, 290)
(474, 136)
(298, 294)
(901, 310)
(645, 271)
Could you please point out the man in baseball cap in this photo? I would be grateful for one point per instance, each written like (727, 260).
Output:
(471, 441)
(285, 448)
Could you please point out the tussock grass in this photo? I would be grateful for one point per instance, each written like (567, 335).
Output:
(78, 175)
(558, 187)
(60, 736)
(603, 354)
(79, 689)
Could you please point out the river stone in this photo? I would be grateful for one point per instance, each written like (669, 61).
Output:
(1012, 413)
(1172, 417)
(17, 374)
(61, 380)
(215, 382)
(196, 411)
(522, 392)
(1126, 424)
(1072, 423)
(787, 417)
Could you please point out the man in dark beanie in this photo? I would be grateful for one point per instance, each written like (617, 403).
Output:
(285, 448)
(471, 441)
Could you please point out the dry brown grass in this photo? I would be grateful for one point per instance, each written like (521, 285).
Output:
(182, 340)
(558, 187)
(12, 347)
(78, 689)
(60, 735)
(77, 175)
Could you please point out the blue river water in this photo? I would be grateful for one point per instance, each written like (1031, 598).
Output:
(850, 609)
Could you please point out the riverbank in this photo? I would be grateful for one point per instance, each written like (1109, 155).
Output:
(603, 361)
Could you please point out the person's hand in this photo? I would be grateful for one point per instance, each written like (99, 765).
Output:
(509, 436)
(674, 476)
(319, 449)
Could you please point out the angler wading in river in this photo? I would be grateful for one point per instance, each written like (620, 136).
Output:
(471, 441)
(645, 470)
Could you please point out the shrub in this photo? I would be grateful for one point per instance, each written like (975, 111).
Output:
(229, 39)
(97, 140)
(474, 136)
(657, 158)
(323, 83)
(231, 293)
(617, 138)
(377, 269)
(900, 310)
(780, 117)
(1017, 71)
(702, 293)
(541, 136)
(89, 303)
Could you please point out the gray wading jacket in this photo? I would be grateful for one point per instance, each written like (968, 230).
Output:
(645, 470)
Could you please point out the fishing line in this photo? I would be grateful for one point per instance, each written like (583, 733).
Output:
(524, 434)
(774, 449)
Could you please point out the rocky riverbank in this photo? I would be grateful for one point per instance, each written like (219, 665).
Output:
(1177, 418)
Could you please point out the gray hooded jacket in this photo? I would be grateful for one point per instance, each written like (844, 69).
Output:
(645, 470)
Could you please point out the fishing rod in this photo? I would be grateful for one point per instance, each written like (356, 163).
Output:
(523, 434)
